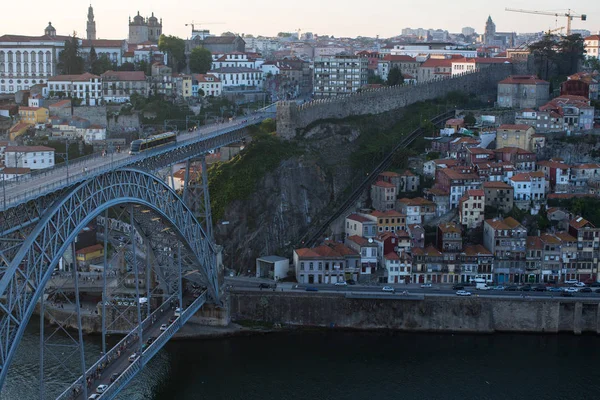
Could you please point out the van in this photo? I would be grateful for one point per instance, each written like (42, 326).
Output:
(177, 312)
(482, 286)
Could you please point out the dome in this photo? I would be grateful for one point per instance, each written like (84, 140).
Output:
(152, 18)
(138, 19)
(50, 31)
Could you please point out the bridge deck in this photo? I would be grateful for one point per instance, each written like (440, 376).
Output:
(49, 180)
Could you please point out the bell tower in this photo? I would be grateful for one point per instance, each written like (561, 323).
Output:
(91, 24)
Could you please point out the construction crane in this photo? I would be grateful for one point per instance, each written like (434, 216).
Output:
(202, 23)
(567, 14)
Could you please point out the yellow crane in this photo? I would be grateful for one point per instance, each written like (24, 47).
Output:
(567, 14)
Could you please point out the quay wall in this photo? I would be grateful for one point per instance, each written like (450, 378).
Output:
(423, 314)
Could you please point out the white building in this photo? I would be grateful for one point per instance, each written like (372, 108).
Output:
(340, 74)
(361, 225)
(111, 49)
(426, 49)
(32, 157)
(592, 46)
(529, 187)
(398, 268)
(272, 267)
(87, 87)
(237, 60)
(93, 133)
(239, 78)
(209, 84)
(262, 45)
(28, 60)
(9, 174)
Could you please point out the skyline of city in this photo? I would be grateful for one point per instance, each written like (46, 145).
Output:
(111, 18)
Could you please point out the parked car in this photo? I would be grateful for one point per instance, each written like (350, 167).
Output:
(114, 377)
(463, 293)
(351, 282)
(132, 357)
(525, 288)
(171, 320)
(512, 288)
(554, 289)
(426, 286)
(540, 288)
(340, 284)
(311, 289)
(569, 290)
(585, 290)
(163, 327)
(595, 284)
(499, 287)
(597, 291)
(101, 389)
(264, 286)
(150, 340)
(94, 396)
(579, 284)
(566, 294)
(458, 287)
(388, 289)
(571, 281)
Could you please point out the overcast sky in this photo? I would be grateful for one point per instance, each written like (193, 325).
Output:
(267, 17)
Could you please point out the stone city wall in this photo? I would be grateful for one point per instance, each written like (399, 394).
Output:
(291, 117)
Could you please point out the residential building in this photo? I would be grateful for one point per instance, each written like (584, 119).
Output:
(469, 65)
(118, 86)
(18, 130)
(32, 157)
(26, 61)
(432, 50)
(182, 86)
(398, 268)
(406, 65)
(495, 171)
(588, 243)
(206, 85)
(161, 81)
(361, 225)
(475, 261)
(441, 199)
(388, 221)
(529, 188)
(383, 196)
(557, 175)
(591, 79)
(429, 167)
(88, 254)
(143, 30)
(523, 91)
(449, 237)
(499, 195)
(239, 78)
(429, 267)
(477, 155)
(515, 136)
(523, 160)
(86, 87)
(367, 248)
(236, 59)
(435, 68)
(471, 208)
(584, 174)
(576, 112)
(33, 115)
(339, 74)
(568, 258)
(418, 210)
(113, 50)
(542, 121)
(10, 174)
(329, 263)
(405, 181)
(94, 133)
(506, 239)
(272, 267)
(217, 44)
(456, 183)
(592, 46)
(61, 109)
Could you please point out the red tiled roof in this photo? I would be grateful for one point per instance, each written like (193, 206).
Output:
(417, 201)
(514, 127)
(361, 241)
(389, 174)
(61, 104)
(496, 185)
(19, 126)
(437, 62)
(90, 249)
(358, 218)
(384, 184)
(593, 37)
(390, 57)
(102, 43)
(475, 192)
(505, 224)
(73, 78)
(392, 256)
(524, 80)
(388, 213)
(27, 149)
(534, 242)
(449, 227)
(476, 250)
(580, 222)
(124, 75)
(15, 171)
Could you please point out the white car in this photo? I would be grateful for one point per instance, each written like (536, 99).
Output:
(341, 284)
(163, 327)
(570, 290)
(571, 281)
(388, 289)
(579, 284)
(426, 286)
(94, 397)
(132, 357)
(101, 388)
(463, 293)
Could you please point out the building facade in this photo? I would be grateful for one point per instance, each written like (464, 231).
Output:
(118, 86)
(523, 91)
(32, 157)
(339, 74)
(144, 29)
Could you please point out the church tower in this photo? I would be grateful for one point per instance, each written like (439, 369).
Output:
(490, 31)
(91, 24)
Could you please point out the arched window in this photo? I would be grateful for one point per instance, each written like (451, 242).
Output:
(40, 56)
(18, 56)
(48, 68)
(32, 57)
(10, 56)
(48, 57)
(26, 56)
(1, 56)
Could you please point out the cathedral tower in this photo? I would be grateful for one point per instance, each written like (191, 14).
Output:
(91, 24)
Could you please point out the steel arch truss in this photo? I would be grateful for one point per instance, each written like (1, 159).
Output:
(24, 280)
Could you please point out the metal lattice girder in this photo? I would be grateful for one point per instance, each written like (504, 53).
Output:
(29, 271)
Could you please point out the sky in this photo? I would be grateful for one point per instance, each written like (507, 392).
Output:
(340, 18)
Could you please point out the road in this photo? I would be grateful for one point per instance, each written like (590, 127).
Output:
(252, 284)
(122, 361)
(80, 168)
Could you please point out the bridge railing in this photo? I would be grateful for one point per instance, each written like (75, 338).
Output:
(113, 354)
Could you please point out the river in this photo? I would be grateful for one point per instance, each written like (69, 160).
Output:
(327, 365)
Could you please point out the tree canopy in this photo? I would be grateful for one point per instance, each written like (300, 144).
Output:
(175, 49)
(556, 56)
(70, 61)
(200, 61)
(101, 64)
(395, 77)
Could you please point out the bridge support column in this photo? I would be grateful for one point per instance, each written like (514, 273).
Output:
(196, 196)
(207, 211)
(78, 307)
(42, 322)
(137, 282)
(105, 266)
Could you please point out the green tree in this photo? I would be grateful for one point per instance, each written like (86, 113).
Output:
(284, 34)
(144, 66)
(571, 52)
(70, 61)
(593, 63)
(200, 61)
(375, 80)
(101, 65)
(175, 49)
(92, 59)
(470, 119)
(395, 77)
(127, 66)
(544, 55)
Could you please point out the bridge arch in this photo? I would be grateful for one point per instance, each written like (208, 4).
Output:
(24, 280)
